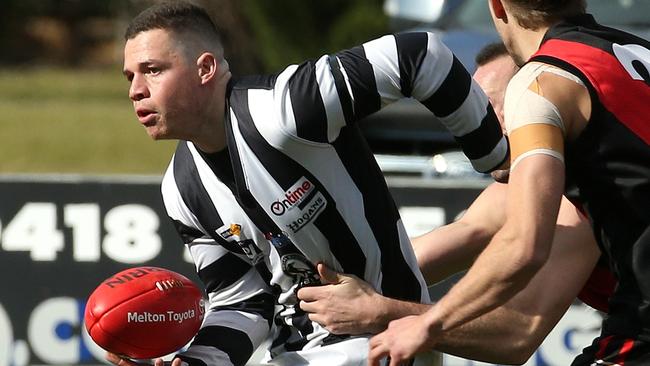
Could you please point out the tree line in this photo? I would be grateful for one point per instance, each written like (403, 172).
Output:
(259, 35)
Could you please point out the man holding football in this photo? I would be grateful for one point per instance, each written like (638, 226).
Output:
(272, 176)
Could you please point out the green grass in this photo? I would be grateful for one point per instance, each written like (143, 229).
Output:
(73, 121)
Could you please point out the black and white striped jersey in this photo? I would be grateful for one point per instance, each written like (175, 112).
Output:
(298, 185)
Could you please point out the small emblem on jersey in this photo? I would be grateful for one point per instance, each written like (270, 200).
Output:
(300, 269)
(233, 230)
(251, 250)
(297, 193)
(309, 213)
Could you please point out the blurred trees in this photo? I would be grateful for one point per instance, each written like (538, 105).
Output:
(259, 35)
(59, 32)
(290, 31)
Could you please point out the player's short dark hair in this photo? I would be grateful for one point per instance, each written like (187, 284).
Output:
(533, 14)
(490, 52)
(177, 16)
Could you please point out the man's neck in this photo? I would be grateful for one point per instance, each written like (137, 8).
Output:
(527, 42)
(212, 137)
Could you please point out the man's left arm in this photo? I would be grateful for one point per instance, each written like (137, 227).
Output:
(418, 65)
(505, 267)
(516, 252)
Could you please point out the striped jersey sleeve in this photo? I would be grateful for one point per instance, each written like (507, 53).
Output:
(240, 304)
(337, 90)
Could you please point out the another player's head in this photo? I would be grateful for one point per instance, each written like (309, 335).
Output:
(174, 60)
(494, 70)
(512, 18)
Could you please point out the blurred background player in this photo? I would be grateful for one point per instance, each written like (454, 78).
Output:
(580, 97)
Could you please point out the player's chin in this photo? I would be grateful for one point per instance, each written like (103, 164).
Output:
(156, 133)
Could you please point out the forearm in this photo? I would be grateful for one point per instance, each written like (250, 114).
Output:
(501, 271)
(349, 305)
(392, 309)
(516, 252)
(512, 332)
(499, 336)
(454, 247)
(448, 250)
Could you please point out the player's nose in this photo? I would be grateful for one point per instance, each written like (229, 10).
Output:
(138, 89)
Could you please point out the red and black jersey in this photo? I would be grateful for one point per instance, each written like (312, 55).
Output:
(599, 287)
(601, 283)
(610, 160)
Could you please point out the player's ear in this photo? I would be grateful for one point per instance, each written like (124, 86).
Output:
(498, 9)
(207, 67)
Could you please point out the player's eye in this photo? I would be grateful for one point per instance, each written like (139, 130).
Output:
(153, 71)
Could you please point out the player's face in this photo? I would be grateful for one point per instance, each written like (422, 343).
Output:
(162, 84)
(493, 78)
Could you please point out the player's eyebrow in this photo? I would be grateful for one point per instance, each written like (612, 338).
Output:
(146, 63)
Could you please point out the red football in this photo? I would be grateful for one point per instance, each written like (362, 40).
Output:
(144, 312)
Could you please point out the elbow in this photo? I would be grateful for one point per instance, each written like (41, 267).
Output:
(520, 353)
(526, 339)
(522, 346)
(529, 264)
(528, 260)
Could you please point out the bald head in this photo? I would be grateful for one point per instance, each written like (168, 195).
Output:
(494, 71)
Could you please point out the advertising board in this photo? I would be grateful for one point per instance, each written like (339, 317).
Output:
(61, 236)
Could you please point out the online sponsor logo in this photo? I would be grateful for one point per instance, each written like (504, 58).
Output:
(292, 197)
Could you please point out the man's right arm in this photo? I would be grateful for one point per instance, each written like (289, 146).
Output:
(452, 248)
(241, 304)
(512, 332)
(508, 334)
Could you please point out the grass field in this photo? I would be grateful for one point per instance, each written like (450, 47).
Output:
(73, 121)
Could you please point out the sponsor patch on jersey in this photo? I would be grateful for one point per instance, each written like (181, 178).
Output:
(230, 231)
(297, 193)
(309, 212)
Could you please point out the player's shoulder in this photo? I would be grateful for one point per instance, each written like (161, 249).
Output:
(534, 71)
(179, 170)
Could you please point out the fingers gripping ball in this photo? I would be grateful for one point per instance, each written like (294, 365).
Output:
(144, 312)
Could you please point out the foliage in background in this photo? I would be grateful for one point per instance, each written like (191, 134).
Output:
(60, 32)
(63, 100)
(294, 30)
(260, 35)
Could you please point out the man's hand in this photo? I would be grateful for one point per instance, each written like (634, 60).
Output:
(344, 304)
(403, 339)
(119, 361)
(501, 175)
